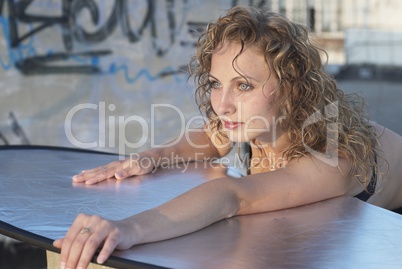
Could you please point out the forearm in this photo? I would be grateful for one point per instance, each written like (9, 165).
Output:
(189, 212)
(193, 146)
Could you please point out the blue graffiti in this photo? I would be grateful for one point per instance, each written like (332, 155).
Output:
(178, 75)
(26, 58)
(23, 51)
(27, 50)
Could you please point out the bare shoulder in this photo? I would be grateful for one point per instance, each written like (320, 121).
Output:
(389, 190)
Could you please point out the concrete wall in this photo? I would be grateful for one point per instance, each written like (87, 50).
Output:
(110, 66)
(111, 75)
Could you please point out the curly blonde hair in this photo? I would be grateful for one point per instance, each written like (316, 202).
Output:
(305, 88)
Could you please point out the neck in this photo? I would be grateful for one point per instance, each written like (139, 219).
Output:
(276, 146)
(268, 156)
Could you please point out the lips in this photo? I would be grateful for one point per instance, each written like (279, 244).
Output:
(230, 125)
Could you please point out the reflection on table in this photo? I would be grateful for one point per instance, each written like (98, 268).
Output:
(39, 202)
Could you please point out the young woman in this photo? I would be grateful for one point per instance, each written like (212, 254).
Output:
(260, 81)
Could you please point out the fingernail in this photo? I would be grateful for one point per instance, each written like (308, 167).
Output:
(118, 174)
(100, 260)
(62, 265)
(76, 176)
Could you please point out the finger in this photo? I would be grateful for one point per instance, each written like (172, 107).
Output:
(85, 175)
(99, 177)
(124, 170)
(85, 243)
(103, 229)
(75, 255)
(58, 243)
(97, 174)
(124, 173)
(89, 249)
(108, 247)
(133, 170)
(79, 177)
(140, 167)
(70, 237)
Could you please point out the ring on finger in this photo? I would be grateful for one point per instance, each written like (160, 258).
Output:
(86, 230)
(104, 169)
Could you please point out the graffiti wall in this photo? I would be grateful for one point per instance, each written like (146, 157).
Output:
(106, 75)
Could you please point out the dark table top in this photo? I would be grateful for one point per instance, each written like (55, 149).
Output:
(38, 203)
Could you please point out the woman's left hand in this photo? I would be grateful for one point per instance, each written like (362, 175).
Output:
(87, 234)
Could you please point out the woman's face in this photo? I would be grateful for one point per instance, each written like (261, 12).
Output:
(242, 94)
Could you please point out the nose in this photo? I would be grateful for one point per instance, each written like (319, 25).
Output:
(227, 104)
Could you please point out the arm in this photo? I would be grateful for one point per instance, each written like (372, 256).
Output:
(302, 182)
(194, 144)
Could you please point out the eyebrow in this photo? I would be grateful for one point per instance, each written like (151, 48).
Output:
(235, 78)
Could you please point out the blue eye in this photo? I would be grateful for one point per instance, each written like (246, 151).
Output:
(214, 84)
(245, 87)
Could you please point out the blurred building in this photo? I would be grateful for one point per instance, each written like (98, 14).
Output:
(353, 32)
